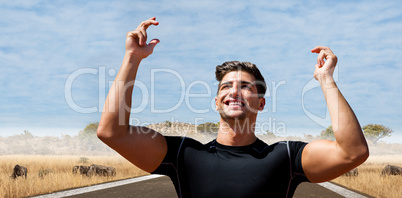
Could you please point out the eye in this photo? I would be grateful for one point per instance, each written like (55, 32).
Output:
(246, 86)
(224, 87)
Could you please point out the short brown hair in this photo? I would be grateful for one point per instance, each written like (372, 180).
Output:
(229, 66)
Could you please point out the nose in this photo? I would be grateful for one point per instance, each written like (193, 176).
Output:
(235, 91)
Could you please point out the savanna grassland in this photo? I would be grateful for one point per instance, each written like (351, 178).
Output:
(370, 180)
(53, 173)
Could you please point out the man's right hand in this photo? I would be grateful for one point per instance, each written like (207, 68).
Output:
(136, 40)
(140, 145)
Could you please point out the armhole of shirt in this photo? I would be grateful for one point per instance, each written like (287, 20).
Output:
(290, 159)
(295, 165)
(177, 167)
(172, 160)
(290, 168)
(178, 154)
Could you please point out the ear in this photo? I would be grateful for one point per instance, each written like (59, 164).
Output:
(216, 103)
(262, 104)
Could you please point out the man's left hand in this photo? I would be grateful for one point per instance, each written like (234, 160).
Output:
(324, 69)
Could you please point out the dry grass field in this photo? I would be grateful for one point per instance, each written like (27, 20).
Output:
(371, 182)
(61, 176)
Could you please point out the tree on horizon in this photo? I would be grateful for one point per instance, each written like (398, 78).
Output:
(375, 132)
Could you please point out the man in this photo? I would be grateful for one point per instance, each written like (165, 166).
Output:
(237, 163)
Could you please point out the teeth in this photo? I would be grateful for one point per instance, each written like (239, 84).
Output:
(235, 103)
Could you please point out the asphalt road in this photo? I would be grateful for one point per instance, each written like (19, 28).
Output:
(163, 187)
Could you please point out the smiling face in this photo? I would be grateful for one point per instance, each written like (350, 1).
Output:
(238, 96)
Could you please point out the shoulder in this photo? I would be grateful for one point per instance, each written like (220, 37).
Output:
(295, 152)
(291, 147)
(179, 142)
(292, 144)
(177, 145)
(296, 145)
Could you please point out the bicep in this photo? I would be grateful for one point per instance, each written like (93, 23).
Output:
(323, 160)
(142, 146)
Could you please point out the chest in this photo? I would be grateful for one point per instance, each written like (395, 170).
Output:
(239, 174)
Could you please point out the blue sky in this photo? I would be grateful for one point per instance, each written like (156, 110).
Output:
(58, 59)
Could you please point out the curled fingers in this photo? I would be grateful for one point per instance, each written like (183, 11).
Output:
(323, 53)
(142, 29)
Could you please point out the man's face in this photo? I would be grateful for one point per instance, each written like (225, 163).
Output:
(238, 96)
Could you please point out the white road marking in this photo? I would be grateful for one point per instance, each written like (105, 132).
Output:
(339, 190)
(97, 187)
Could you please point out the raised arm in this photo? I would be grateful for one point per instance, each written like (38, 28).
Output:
(140, 145)
(324, 160)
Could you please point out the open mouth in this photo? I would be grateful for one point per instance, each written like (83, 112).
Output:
(234, 103)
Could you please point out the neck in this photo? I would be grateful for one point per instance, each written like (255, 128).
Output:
(236, 133)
